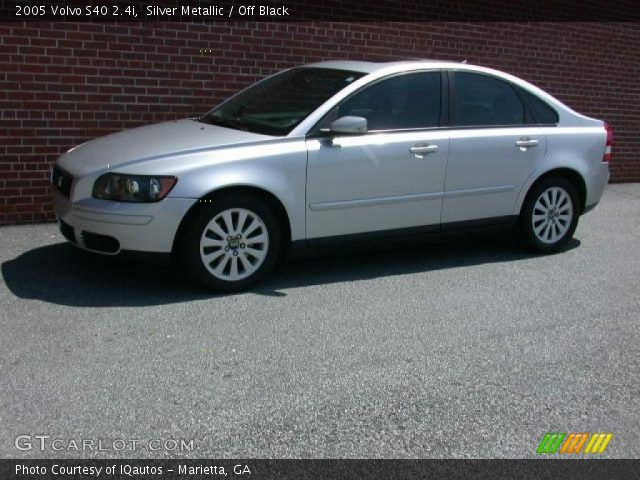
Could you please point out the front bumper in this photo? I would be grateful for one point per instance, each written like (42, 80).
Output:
(110, 227)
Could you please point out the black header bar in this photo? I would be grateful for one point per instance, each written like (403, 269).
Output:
(329, 10)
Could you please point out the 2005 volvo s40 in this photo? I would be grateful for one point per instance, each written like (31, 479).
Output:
(336, 150)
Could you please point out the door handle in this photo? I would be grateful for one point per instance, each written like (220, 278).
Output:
(422, 150)
(526, 142)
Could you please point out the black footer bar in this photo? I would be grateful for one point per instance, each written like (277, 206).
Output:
(318, 469)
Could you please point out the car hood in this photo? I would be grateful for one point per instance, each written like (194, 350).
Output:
(150, 142)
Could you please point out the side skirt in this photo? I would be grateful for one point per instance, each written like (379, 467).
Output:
(385, 238)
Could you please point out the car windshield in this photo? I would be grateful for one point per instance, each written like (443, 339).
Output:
(279, 103)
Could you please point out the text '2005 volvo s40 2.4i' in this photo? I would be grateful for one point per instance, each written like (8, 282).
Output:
(336, 150)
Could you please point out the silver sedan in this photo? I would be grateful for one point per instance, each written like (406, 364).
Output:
(336, 151)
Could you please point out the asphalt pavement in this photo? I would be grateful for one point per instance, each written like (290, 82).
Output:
(472, 348)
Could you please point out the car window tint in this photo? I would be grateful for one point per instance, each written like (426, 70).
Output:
(276, 105)
(484, 100)
(402, 102)
(542, 112)
(300, 91)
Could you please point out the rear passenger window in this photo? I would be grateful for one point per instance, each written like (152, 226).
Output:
(542, 112)
(484, 100)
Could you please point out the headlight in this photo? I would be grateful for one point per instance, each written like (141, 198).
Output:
(132, 188)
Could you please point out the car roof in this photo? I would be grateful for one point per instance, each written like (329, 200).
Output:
(370, 67)
(375, 70)
(381, 69)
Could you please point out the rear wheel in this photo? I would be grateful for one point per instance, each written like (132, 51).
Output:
(233, 243)
(549, 215)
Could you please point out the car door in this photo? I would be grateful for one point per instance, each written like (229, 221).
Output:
(390, 178)
(492, 151)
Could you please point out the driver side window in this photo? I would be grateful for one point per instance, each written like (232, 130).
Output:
(401, 102)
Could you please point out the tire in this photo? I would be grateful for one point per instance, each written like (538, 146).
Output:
(549, 216)
(231, 243)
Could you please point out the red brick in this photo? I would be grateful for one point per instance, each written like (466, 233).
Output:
(62, 83)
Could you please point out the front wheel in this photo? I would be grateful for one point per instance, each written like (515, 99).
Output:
(550, 214)
(232, 243)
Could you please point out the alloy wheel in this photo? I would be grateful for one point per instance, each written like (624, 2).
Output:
(234, 244)
(552, 215)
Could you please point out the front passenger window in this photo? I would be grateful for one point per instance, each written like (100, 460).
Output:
(402, 102)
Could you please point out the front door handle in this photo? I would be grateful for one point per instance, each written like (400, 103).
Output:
(526, 142)
(422, 150)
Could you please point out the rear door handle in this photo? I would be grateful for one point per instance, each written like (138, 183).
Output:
(526, 142)
(422, 150)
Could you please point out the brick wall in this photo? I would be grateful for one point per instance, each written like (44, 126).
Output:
(64, 83)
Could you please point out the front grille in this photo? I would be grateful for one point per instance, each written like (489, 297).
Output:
(61, 180)
(67, 232)
(100, 243)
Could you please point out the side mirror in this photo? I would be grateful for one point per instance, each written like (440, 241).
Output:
(347, 126)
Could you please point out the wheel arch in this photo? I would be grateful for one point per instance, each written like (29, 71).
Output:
(277, 206)
(570, 174)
